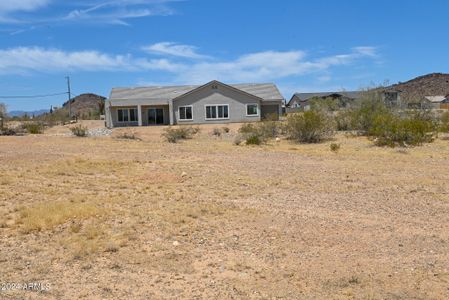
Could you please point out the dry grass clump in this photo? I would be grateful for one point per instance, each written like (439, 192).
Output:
(47, 215)
(128, 136)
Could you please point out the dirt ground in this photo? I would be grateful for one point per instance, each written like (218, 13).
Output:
(111, 218)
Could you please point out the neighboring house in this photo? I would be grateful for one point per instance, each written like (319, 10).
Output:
(435, 102)
(445, 103)
(213, 102)
(302, 101)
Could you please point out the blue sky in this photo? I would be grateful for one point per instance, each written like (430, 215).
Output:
(300, 45)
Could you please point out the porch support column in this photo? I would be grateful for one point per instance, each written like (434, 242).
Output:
(170, 111)
(139, 114)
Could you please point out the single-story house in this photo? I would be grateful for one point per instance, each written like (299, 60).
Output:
(302, 100)
(213, 102)
(436, 102)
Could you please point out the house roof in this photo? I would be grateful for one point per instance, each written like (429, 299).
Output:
(307, 96)
(266, 91)
(435, 99)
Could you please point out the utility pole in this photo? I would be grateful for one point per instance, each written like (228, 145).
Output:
(70, 97)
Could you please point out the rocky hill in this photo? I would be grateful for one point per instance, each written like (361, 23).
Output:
(86, 105)
(435, 84)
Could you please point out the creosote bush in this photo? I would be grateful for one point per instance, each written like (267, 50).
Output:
(173, 135)
(444, 122)
(392, 130)
(34, 128)
(309, 127)
(79, 130)
(251, 134)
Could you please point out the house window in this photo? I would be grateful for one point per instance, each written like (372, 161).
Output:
(252, 110)
(185, 113)
(127, 115)
(217, 112)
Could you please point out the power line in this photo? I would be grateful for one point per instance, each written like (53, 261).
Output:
(32, 96)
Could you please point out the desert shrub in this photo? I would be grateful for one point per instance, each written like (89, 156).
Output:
(366, 110)
(226, 129)
(8, 131)
(34, 127)
(216, 132)
(247, 128)
(268, 128)
(335, 147)
(309, 127)
(444, 122)
(393, 130)
(252, 134)
(253, 140)
(344, 120)
(79, 130)
(173, 135)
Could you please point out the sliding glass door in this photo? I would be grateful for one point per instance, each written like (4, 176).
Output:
(155, 116)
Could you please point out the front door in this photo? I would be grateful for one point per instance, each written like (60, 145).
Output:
(155, 116)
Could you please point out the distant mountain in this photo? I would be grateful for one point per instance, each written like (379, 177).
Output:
(21, 113)
(86, 105)
(435, 84)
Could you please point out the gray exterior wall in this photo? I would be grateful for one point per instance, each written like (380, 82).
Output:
(207, 95)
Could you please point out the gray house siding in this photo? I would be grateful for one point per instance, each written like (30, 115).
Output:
(221, 95)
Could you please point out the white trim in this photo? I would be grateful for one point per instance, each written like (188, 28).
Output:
(129, 115)
(246, 110)
(216, 105)
(179, 113)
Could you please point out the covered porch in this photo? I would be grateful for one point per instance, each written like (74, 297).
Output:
(139, 115)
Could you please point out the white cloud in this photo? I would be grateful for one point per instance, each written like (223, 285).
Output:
(253, 67)
(87, 11)
(268, 65)
(174, 49)
(7, 6)
(23, 59)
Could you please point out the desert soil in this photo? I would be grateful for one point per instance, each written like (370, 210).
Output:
(111, 218)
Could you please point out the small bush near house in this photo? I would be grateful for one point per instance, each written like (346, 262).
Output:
(226, 129)
(335, 147)
(173, 135)
(309, 127)
(392, 130)
(34, 128)
(254, 140)
(79, 130)
(268, 128)
(252, 134)
(216, 132)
